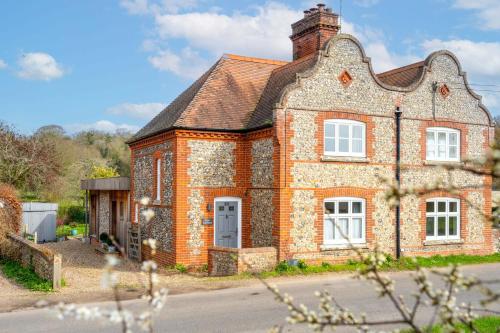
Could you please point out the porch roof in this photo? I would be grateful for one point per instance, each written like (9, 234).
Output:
(106, 184)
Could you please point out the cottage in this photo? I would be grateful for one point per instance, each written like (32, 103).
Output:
(265, 153)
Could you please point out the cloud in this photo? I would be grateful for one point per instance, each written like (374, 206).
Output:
(142, 7)
(478, 58)
(102, 126)
(188, 64)
(135, 7)
(3, 64)
(236, 33)
(39, 66)
(141, 111)
(384, 60)
(487, 11)
(366, 3)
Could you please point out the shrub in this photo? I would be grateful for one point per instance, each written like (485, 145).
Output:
(181, 268)
(104, 237)
(302, 264)
(10, 214)
(70, 211)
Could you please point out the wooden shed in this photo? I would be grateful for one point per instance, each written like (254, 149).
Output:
(107, 204)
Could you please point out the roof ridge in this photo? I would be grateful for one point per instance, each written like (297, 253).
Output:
(402, 68)
(253, 59)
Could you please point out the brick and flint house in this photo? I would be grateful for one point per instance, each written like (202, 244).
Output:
(291, 155)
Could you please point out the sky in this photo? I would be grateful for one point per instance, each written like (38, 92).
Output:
(114, 64)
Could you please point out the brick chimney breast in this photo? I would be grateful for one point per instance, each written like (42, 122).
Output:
(311, 32)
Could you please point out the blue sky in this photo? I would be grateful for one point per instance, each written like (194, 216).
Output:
(109, 64)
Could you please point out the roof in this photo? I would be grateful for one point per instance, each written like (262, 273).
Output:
(403, 76)
(239, 93)
(221, 99)
(106, 184)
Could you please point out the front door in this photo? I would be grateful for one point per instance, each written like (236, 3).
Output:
(226, 214)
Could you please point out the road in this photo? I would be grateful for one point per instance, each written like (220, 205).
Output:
(244, 309)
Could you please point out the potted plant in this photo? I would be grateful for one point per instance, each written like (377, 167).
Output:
(104, 239)
(73, 226)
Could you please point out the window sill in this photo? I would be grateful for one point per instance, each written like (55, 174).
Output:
(157, 202)
(443, 242)
(353, 159)
(333, 247)
(451, 163)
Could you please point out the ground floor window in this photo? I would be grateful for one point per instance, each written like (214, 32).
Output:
(442, 218)
(344, 221)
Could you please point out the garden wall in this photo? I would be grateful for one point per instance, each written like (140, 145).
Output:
(224, 261)
(46, 263)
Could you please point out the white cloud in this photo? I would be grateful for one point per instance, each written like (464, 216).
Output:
(39, 66)
(478, 58)
(366, 3)
(102, 126)
(3, 64)
(135, 7)
(384, 60)
(488, 12)
(188, 64)
(237, 33)
(141, 111)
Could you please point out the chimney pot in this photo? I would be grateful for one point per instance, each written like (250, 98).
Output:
(312, 32)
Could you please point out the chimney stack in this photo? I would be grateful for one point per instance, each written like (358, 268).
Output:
(311, 32)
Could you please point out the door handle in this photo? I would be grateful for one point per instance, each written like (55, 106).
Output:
(226, 236)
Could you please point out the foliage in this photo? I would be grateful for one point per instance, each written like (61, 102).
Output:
(24, 276)
(389, 264)
(483, 325)
(29, 163)
(181, 268)
(10, 214)
(71, 211)
(102, 172)
(65, 230)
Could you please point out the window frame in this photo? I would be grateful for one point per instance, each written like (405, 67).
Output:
(448, 131)
(350, 215)
(336, 137)
(435, 214)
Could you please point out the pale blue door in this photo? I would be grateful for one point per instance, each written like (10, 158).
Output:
(226, 233)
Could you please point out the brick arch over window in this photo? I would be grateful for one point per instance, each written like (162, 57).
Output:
(462, 128)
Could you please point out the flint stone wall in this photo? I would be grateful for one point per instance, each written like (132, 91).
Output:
(223, 261)
(262, 163)
(195, 227)
(46, 263)
(496, 239)
(212, 163)
(160, 227)
(262, 218)
(104, 212)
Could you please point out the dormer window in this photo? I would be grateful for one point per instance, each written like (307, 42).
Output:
(442, 144)
(344, 138)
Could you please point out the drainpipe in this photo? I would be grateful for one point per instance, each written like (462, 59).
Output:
(397, 113)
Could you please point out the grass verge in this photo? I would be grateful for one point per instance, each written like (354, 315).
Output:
(403, 264)
(483, 325)
(24, 276)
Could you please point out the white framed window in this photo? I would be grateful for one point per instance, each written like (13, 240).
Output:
(344, 221)
(158, 179)
(442, 218)
(442, 144)
(344, 138)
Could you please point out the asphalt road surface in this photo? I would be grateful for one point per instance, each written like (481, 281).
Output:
(246, 309)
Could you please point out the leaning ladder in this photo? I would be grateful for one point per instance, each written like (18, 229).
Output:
(134, 242)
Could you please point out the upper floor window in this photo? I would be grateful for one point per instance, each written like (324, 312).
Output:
(442, 218)
(158, 179)
(344, 138)
(443, 144)
(344, 221)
